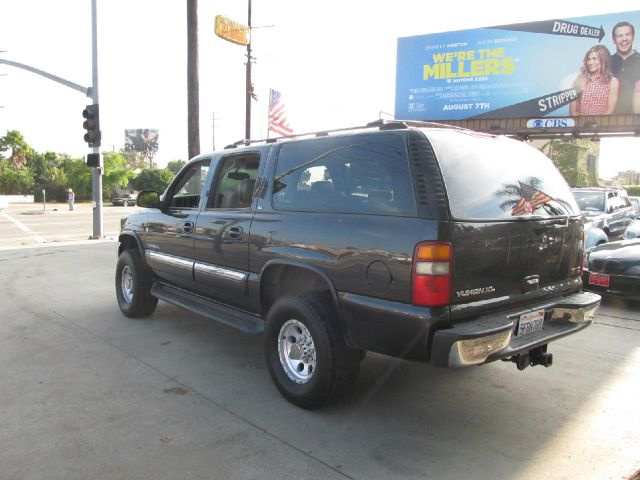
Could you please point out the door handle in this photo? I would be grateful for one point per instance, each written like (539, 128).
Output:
(188, 227)
(235, 233)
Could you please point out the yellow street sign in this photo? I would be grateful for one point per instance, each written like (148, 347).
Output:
(232, 31)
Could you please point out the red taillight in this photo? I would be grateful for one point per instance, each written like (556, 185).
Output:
(431, 278)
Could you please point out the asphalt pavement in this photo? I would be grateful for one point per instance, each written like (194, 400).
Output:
(33, 224)
(87, 393)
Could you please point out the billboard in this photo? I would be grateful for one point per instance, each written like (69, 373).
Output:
(555, 68)
(141, 140)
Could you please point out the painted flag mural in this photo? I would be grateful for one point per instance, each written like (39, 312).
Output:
(278, 121)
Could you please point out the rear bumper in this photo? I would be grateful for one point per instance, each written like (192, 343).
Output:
(494, 337)
(626, 287)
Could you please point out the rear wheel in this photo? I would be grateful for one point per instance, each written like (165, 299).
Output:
(306, 354)
(133, 286)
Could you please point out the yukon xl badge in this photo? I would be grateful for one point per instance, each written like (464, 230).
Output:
(476, 291)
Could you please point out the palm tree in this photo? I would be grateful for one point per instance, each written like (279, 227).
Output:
(15, 142)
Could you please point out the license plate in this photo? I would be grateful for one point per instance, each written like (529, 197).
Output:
(530, 322)
(600, 279)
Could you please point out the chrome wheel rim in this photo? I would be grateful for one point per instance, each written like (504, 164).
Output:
(297, 351)
(126, 284)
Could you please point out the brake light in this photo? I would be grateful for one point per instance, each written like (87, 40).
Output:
(431, 277)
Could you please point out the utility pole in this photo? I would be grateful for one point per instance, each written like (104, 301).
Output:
(250, 94)
(193, 92)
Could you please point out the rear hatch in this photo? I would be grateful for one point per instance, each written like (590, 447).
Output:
(515, 226)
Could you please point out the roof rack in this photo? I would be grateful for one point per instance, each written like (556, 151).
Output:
(381, 124)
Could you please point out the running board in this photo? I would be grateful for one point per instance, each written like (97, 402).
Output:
(243, 321)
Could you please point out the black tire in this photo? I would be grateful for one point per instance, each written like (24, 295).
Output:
(325, 368)
(133, 286)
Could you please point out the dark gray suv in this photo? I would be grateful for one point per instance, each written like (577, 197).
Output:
(439, 245)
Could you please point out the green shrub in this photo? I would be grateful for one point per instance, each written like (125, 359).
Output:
(633, 190)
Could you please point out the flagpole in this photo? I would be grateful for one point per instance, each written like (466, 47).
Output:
(268, 112)
(249, 85)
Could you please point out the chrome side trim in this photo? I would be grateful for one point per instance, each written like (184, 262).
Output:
(225, 273)
(171, 260)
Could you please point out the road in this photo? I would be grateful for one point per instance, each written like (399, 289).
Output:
(89, 393)
(37, 224)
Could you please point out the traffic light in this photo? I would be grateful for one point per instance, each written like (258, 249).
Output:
(92, 125)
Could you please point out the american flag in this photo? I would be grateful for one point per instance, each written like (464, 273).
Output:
(278, 122)
(530, 200)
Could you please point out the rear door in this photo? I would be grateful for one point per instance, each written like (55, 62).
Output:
(221, 239)
(515, 228)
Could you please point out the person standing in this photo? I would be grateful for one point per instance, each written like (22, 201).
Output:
(597, 86)
(71, 198)
(625, 64)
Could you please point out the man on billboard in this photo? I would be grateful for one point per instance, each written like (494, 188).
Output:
(625, 64)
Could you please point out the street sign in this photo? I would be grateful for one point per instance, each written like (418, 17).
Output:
(231, 31)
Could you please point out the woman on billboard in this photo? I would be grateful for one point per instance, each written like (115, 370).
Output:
(597, 86)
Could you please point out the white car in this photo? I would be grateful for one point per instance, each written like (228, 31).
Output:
(3, 203)
(633, 230)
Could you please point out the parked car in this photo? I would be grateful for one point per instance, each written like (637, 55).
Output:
(614, 269)
(125, 199)
(633, 230)
(593, 236)
(608, 208)
(430, 244)
(635, 203)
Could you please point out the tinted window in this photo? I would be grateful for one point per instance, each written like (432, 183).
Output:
(236, 181)
(498, 178)
(186, 192)
(355, 174)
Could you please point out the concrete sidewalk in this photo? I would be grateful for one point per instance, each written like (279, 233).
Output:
(87, 393)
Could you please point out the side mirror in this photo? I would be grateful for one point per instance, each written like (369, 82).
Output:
(148, 199)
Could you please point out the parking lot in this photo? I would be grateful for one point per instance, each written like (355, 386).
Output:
(89, 393)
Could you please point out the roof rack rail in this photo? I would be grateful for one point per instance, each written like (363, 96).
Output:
(419, 123)
(381, 124)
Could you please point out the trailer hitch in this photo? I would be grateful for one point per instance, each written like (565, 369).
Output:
(535, 356)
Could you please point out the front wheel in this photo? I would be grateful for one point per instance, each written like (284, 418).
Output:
(306, 354)
(133, 286)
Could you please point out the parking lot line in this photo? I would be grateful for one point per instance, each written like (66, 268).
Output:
(24, 228)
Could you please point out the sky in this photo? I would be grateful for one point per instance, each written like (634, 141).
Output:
(334, 61)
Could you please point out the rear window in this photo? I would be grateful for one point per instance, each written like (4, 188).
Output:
(590, 201)
(498, 178)
(350, 174)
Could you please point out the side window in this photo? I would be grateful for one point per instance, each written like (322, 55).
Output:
(186, 193)
(356, 174)
(235, 181)
(615, 202)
